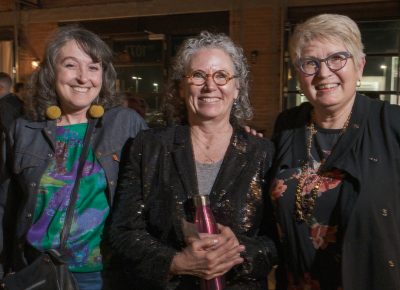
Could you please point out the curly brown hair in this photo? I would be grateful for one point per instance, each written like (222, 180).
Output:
(42, 92)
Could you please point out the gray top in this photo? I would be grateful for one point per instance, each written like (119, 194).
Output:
(206, 174)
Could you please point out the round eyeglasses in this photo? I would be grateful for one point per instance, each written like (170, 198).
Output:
(311, 65)
(199, 78)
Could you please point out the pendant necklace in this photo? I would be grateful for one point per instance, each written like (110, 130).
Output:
(200, 144)
(203, 147)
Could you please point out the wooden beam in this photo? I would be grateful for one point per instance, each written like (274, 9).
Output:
(367, 11)
(27, 3)
(114, 10)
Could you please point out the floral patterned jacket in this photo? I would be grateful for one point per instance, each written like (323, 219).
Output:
(369, 154)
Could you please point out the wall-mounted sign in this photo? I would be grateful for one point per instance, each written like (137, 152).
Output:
(138, 51)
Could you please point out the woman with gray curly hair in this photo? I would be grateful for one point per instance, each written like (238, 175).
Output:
(175, 106)
(207, 154)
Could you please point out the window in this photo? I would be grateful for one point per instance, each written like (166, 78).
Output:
(381, 72)
(140, 68)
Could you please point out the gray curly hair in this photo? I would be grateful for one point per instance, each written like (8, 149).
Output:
(174, 107)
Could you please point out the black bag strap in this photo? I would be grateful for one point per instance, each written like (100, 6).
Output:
(74, 192)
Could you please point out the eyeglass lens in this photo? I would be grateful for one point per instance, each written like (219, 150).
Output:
(220, 77)
(335, 62)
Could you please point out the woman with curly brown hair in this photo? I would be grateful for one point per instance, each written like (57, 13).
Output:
(73, 94)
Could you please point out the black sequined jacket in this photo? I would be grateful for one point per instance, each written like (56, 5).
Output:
(156, 183)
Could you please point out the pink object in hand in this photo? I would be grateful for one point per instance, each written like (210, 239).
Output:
(205, 223)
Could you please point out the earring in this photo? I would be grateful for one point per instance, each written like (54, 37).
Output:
(358, 84)
(96, 111)
(301, 93)
(53, 112)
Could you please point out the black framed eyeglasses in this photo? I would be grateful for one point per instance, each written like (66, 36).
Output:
(311, 65)
(199, 78)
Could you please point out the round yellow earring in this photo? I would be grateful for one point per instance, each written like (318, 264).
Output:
(96, 111)
(53, 112)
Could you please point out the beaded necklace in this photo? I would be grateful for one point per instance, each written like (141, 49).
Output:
(305, 203)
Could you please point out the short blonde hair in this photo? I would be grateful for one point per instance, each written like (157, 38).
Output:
(327, 27)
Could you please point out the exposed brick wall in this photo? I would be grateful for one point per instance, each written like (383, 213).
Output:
(32, 39)
(6, 5)
(67, 3)
(326, 2)
(258, 29)
(254, 24)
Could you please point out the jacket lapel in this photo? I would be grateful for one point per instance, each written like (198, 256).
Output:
(341, 155)
(182, 154)
(231, 168)
(182, 157)
(299, 141)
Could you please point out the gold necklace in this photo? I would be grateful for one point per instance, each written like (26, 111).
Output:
(200, 144)
(305, 204)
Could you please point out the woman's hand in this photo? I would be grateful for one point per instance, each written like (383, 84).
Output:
(210, 256)
(253, 131)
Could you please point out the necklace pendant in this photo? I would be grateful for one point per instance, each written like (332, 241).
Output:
(299, 216)
(210, 161)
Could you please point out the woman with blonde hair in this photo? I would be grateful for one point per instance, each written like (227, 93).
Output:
(337, 168)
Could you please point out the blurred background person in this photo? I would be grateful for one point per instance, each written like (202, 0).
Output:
(73, 90)
(208, 153)
(20, 89)
(11, 106)
(136, 103)
(5, 84)
(337, 169)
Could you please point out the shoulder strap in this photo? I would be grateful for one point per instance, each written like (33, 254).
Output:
(74, 193)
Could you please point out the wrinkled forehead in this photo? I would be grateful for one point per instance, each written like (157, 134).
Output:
(82, 47)
(210, 58)
(324, 46)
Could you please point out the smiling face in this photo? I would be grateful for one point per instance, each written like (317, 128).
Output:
(78, 79)
(209, 101)
(329, 90)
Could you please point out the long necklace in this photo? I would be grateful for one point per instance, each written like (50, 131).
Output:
(203, 148)
(305, 203)
(208, 159)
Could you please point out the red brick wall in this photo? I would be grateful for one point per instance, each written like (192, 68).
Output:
(67, 3)
(6, 5)
(259, 29)
(254, 24)
(32, 39)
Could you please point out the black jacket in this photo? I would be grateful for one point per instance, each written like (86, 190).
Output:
(156, 184)
(369, 152)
